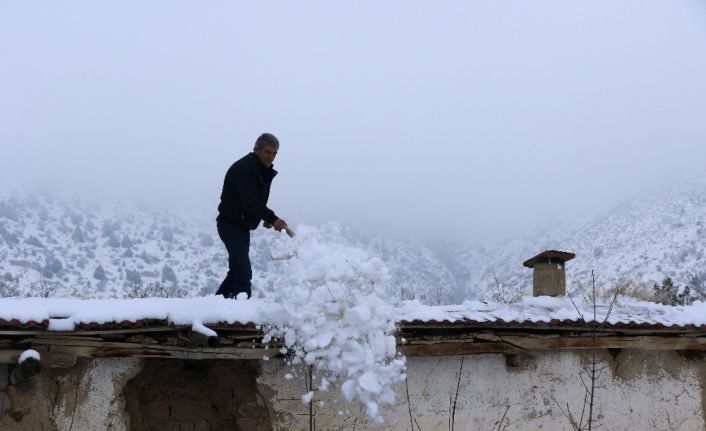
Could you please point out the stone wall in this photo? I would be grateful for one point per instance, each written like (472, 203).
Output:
(636, 390)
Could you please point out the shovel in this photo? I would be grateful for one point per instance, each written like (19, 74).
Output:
(284, 254)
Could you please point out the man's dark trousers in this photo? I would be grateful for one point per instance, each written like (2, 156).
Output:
(237, 241)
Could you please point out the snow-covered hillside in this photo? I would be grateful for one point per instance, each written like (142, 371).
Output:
(69, 248)
(642, 241)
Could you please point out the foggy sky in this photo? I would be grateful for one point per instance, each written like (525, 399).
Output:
(433, 117)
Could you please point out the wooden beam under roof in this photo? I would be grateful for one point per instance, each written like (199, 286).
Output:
(61, 349)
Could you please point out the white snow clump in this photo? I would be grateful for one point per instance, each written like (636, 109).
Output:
(336, 320)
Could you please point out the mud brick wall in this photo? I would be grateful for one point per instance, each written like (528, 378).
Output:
(638, 389)
(196, 396)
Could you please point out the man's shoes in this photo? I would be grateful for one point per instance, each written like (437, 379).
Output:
(226, 295)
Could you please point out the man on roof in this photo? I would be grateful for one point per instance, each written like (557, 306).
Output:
(246, 189)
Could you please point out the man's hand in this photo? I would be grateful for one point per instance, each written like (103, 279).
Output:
(266, 225)
(279, 224)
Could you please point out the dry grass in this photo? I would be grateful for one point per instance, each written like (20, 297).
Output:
(632, 289)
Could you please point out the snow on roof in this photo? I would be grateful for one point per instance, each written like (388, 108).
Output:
(27, 354)
(68, 314)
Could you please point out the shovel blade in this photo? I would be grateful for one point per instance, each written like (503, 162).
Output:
(285, 256)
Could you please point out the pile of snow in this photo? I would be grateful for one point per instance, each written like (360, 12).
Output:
(336, 321)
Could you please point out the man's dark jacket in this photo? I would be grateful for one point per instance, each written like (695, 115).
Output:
(246, 189)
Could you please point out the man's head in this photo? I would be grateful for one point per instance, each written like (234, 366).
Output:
(266, 148)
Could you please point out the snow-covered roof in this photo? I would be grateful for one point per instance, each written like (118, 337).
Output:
(75, 314)
(360, 342)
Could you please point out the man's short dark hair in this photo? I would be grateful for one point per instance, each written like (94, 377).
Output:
(266, 139)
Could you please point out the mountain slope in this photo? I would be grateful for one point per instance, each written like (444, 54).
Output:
(56, 247)
(642, 241)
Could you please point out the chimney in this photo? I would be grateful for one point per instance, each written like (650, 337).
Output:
(549, 275)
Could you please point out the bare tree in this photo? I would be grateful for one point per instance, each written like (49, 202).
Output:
(153, 290)
(502, 425)
(698, 285)
(309, 382)
(409, 405)
(135, 290)
(503, 292)
(42, 289)
(458, 386)
(590, 370)
(9, 289)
